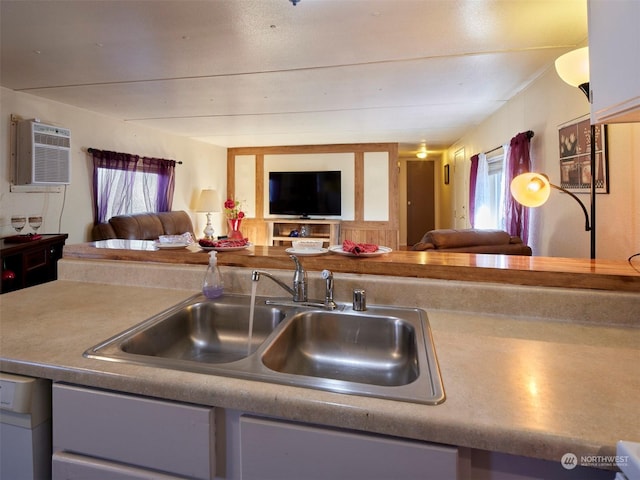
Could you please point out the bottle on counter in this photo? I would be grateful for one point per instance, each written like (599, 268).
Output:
(212, 287)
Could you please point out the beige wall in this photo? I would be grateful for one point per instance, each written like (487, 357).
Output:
(558, 226)
(204, 165)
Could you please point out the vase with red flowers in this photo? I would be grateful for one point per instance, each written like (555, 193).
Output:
(234, 214)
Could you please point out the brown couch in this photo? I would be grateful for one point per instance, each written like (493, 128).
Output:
(472, 241)
(144, 226)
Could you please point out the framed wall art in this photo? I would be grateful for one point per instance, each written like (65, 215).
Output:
(574, 143)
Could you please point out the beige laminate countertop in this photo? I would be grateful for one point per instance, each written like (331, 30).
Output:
(516, 385)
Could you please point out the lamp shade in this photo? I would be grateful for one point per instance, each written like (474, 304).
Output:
(573, 67)
(531, 189)
(208, 201)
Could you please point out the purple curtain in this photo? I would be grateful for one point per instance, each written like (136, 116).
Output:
(472, 189)
(516, 215)
(108, 188)
(114, 176)
(165, 169)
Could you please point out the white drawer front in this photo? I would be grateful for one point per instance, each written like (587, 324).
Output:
(68, 466)
(288, 451)
(161, 435)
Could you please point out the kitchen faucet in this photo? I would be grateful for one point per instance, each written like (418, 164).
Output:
(299, 290)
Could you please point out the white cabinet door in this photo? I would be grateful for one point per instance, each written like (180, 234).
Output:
(288, 451)
(614, 60)
(160, 435)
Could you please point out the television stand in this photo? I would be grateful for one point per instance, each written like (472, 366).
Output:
(319, 229)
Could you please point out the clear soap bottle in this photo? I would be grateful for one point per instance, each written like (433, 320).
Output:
(212, 287)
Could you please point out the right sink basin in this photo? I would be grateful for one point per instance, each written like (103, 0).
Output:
(384, 352)
(375, 350)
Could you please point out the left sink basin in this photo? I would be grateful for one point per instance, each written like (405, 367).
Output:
(197, 330)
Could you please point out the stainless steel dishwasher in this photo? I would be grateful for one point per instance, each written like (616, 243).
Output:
(25, 428)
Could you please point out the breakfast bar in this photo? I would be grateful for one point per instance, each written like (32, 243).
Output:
(503, 269)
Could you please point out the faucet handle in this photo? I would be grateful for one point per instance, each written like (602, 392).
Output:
(299, 281)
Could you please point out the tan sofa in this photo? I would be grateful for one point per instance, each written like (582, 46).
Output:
(144, 226)
(472, 241)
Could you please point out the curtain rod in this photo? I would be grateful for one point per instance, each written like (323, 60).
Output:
(529, 135)
(92, 150)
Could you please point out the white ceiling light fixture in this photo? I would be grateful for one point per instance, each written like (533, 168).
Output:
(422, 153)
(573, 68)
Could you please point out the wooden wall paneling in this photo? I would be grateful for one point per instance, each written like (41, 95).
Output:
(358, 188)
(392, 238)
(394, 190)
(392, 231)
(231, 175)
(381, 233)
(256, 230)
(370, 232)
(301, 149)
(259, 207)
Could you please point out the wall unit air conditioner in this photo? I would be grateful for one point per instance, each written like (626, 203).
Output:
(43, 154)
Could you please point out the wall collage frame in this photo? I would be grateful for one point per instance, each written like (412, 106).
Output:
(574, 144)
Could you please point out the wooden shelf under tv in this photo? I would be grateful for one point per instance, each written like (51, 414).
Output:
(280, 228)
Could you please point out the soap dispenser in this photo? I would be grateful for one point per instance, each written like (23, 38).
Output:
(212, 286)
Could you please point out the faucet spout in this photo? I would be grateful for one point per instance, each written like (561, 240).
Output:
(256, 274)
(299, 290)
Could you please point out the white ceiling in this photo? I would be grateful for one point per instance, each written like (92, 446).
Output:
(265, 72)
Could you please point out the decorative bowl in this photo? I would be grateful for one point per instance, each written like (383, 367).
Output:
(307, 244)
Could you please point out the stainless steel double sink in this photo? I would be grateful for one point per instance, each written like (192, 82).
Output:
(384, 352)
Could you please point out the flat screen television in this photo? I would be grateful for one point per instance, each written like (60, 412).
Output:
(305, 193)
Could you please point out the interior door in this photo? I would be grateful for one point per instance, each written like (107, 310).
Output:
(461, 190)
(420, 200)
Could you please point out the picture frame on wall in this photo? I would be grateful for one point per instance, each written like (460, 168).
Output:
(574, 147)
(446, 174)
